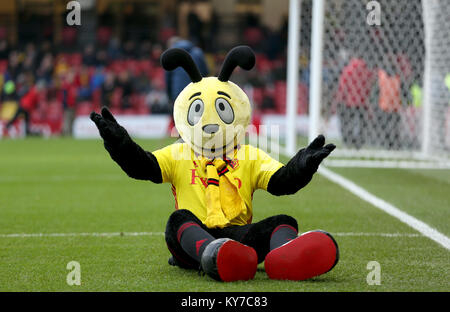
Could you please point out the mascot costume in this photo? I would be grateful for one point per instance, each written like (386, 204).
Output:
(213, 178)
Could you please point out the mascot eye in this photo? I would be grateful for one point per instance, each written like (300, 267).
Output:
(224, 110)
(195, 112)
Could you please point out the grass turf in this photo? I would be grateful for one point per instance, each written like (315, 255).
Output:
(69, 186)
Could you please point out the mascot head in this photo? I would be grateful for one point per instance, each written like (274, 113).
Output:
(211, 114)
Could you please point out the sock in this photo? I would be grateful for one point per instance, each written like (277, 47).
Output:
(281, 235)
(193, 239)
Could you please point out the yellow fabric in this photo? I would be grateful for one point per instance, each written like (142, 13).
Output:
(223, 202)
(8, 109)
(250, 169)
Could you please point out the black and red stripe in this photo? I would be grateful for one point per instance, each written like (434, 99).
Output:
(212, 181)
(223, 171)
(183, 227)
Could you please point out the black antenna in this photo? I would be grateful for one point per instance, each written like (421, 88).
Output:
(241, 56)
(175, 57)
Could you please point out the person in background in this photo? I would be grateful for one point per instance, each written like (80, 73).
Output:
(26, 105)
(389, 103)
(178, 79)
(355, 84)
(69, 90)
(108, 87)
(157, 100)
(125, 83)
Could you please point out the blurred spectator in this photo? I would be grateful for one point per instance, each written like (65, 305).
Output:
(129, 50)
(107, 89)
(178, 79)
(389, 103)
(28, 103)
(145, 50)
(101, 58)
(103, 35)
(126, 86)
(113, 50)
(254, 32)
(355, 83)
(69, 94)
(89, 55)
(45, 70)
(29, 63)
(14, 65)
(195, 26)
(4, 49)
(157, 100)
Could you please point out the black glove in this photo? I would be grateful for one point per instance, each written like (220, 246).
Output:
(112, 133)
(299, 170)
(309, 158)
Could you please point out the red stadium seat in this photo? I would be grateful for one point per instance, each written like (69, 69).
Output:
(83, 108)
(116, 98)
(258, 94)
(143, 110)
(280, 97)
(103, 35)
(69, 36)
(303, 99)
(3, 65)
(75, 59)
(97, 97)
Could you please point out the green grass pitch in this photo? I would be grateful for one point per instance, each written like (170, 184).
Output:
(70, 186)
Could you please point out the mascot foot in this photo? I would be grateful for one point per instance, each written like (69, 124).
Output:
(311, 254)
(228, 260)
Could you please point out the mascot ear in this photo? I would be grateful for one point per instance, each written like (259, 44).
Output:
(175, 57)
(241, 56)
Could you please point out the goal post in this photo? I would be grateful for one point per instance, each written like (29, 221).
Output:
(380, 78)
(436, 125)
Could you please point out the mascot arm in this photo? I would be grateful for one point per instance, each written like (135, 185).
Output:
(136, 162)
(300, 169)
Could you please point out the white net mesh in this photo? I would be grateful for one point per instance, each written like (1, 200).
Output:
(373, 76)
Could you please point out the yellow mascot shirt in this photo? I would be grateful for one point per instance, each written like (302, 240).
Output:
(251, 167)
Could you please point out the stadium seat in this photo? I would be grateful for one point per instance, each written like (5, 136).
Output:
(3, 65)
(69, 36)
(104, 35)
(83, 108)
(280, 97)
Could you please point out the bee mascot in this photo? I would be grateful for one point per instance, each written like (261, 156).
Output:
(213, 178)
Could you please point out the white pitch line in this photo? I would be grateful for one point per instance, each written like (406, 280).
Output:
(379, 203)
(386, 164)
(24, 235)
(114, 234)
(58, 178)
(378, 234)
(416, 224)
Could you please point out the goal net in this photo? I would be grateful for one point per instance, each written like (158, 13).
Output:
(385, 79)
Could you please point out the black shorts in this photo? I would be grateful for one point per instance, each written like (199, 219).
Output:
(256, 235)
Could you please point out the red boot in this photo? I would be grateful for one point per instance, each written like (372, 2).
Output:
(228, 260)
(311, 254)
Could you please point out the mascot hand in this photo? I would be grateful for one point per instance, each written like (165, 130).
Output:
(111, 132)
(310, 157)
